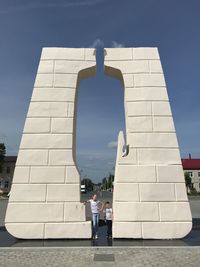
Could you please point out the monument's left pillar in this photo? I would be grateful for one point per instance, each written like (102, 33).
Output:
(45, 195)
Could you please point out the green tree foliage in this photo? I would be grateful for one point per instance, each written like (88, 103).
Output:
(188, 182)
(88, 184)
(107, 182)
(104, 183)
(110, 181)
(2, 155)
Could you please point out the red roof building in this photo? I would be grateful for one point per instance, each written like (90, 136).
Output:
(192, 167)
(191, 164)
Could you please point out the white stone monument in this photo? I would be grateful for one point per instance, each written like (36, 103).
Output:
(45, 195)
(149, 200)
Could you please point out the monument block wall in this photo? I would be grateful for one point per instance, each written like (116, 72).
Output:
(149, 199)
(45, 195)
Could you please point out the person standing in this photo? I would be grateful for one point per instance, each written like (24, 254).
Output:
(96, 207)
(108, 216)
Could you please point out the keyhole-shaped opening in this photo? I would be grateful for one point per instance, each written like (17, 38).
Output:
(100, 117)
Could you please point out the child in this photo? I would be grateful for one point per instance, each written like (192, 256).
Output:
(108, 216)
(95, 206)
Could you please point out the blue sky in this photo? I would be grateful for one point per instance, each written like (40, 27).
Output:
(28, 25)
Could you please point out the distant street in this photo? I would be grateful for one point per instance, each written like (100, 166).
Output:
(102, 196)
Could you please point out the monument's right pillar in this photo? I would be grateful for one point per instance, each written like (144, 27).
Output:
(149, 199)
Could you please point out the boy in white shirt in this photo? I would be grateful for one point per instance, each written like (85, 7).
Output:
(96, 207)
(108, 216)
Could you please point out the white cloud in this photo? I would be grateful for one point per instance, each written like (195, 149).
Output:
(112, 144)
(116, 44)
(50, 4)
(97, 43)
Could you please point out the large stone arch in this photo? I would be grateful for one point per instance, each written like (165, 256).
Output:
(149, 199)
(45, 195)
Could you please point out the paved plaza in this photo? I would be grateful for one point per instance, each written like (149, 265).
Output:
(129, 256)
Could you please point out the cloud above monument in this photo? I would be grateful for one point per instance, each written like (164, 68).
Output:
(112, 144)
(38, 4)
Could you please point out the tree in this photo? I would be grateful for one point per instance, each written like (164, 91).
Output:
(110, 181)
(104, 183)
(88, 184)
(188, 182)
(2, 155)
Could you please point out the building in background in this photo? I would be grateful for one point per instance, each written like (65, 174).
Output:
(6, 175)
(192, 167)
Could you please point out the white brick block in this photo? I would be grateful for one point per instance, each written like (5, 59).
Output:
(152, 140)
(47, 109)
(163, 124)
(21, 175)
(161, 109)
(74, 212)
(65, 80)
(62, 125)
(68, 230)
(72, 67)
(90, 54)
(127, 230)
(67, 192)
(27, 193)
(131, 158)
(70, 113)
(133, 66)
(46, 66)
(158, 156)
(47, 174)
(170, 174)
(157, 192)
(26, 230)
(128, 80)
(44, 80)
(145, 53)
(65, 66)
(37, 125)
(135, 211)
(139, 124)
(32, 157)
(178, 211)
(118, 54)
(165, 230)
(149, 80)
(136, 174)
(181, 194)
(46, 141)
(61, 157)
(138, 108)
(155, 66)
(146, 94)
(62, 53)
(34, 212)
(125, 192)
(72, 175)
(53, 95)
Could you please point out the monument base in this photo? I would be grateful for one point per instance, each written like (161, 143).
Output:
(151, 230)
(68, 230)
